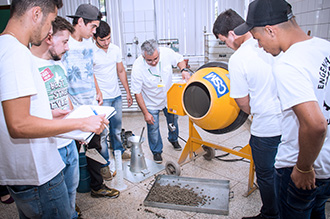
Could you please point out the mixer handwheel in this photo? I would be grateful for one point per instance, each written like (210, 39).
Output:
(210, 152)
(172, 168)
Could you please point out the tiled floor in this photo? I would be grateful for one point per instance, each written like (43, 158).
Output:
(130, 203)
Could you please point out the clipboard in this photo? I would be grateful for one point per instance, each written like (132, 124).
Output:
(84, 111)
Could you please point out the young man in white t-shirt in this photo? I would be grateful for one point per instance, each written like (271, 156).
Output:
(108, 67)
(29, 160)
(301, 73)
(48, 60)
(83, 86)
(253, 87)
(150, 80)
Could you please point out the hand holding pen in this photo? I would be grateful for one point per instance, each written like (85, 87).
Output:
(105, 125)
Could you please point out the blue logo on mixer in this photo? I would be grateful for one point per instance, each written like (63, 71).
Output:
(218, 83)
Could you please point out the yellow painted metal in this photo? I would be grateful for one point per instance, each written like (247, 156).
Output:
(223, 110)
(174, 99)
(193, 148)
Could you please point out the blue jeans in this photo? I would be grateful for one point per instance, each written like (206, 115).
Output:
(70, 158)
(114, 127)
(50, 200)
(154, 138)
(264, 150)
(298, 203)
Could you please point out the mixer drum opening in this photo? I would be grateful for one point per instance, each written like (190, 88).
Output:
(196, 99)
(207, 102)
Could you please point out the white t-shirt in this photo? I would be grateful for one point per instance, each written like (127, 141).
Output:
(24, 161)
(105, 70)
(302, 74)
(250, 73)
(78, 62)
(154, 82)
(54, 76)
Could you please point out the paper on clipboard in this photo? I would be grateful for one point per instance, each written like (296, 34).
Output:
(84, 111)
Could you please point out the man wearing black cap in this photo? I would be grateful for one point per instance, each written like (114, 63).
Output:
(83, 87)
(253, 87)
(302, 72)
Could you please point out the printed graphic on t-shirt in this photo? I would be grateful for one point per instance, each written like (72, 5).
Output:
(324, 72)
(56, 86)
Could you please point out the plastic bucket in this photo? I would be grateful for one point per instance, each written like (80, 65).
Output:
(84, 177)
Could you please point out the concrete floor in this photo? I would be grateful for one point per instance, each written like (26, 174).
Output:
(130, 202)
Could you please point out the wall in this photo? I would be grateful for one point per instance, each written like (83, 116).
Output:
(313, 16)
(138, 26)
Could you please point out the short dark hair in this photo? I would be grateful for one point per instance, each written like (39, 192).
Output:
(103, 30)
(60, 24)
(19, 7)
(226, 22)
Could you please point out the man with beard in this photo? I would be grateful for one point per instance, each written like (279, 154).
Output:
(30, 164)
(47, 57)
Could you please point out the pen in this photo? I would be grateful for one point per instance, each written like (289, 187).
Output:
(94, 111)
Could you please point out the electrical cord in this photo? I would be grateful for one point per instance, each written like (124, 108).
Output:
(219, 157)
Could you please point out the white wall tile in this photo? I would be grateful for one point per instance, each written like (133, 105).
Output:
(324, 16)
(311, 17)
(140, 26)
(326, 4)
(149, 15)
(128, 16)
(150, 26)
(128, 27)
(129, 37)
(311, 5)
(323, 31)
(150, 35)
(318, 4)
(304, 6)
(127, 5)
(139, 16)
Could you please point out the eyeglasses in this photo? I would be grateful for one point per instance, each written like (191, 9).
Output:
(152, 60)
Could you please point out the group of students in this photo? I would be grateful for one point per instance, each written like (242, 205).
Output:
(45, 60)
(50, 67)
(279, 75)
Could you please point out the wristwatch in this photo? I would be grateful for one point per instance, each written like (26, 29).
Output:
(184, 69)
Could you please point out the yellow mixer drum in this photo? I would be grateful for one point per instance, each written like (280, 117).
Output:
(207, 102)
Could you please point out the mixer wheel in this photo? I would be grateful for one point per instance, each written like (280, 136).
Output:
(172, 168)
(210, 152)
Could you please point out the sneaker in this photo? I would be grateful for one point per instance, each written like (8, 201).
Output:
(158, 158)
(259, 216)
(176, 146)
(78, 211)
(106, 174)
(126, 155)
(105, 192)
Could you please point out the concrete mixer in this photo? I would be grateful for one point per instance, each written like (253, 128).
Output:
(205, 99)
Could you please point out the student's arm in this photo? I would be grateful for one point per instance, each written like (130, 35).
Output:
(123, 78)
(312, 132)
(21, 124)
(99, 96)
(147, 116)
(244, 104)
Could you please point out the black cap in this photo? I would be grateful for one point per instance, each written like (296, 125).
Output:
(265, 12)
(87, 11)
